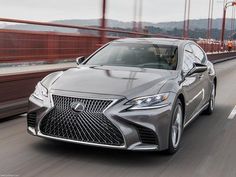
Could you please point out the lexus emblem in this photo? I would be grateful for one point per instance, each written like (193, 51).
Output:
(77, 107)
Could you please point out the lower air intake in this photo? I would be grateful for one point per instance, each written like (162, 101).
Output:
(31, 119)
(146, 135)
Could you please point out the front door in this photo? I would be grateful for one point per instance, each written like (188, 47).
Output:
(192, 85)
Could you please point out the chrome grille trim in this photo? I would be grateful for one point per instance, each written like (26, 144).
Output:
(91, 105)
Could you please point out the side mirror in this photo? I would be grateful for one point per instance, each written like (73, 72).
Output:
(80, 60)
(197, 68)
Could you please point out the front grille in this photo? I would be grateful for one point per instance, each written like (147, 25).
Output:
(31, 119)
(90, 126)
(146, 135)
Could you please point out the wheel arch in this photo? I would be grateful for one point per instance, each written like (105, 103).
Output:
(215, 82)
(182, 100)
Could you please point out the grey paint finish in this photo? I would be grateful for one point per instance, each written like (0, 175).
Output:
(122, 81)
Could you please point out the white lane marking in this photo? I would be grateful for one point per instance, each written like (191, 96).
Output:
(232, 114)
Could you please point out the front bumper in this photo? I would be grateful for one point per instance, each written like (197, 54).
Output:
(140, 129)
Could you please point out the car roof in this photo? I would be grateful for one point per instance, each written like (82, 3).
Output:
(159, 41)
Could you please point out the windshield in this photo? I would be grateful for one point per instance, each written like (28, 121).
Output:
(137, 55)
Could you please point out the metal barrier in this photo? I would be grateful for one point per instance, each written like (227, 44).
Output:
(214, 47)
(21, 46)
(15, 90)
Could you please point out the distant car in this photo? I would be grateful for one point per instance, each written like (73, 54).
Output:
(134, 94)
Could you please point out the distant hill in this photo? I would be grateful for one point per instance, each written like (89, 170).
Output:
(194, 24)
(91, 22)
(198, 28)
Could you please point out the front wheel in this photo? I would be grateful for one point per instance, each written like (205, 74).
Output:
(176, 128)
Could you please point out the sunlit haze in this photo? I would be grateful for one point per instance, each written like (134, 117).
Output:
(153, 10)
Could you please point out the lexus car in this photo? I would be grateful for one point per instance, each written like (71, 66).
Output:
(133, 94)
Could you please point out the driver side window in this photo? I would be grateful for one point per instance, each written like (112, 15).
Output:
(189, 59)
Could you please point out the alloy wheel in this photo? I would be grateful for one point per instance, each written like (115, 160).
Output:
(177, 127)
(212, 101)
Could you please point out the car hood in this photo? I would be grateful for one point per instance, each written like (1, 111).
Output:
(122, 81)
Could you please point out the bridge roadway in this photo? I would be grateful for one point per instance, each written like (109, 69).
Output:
(207, 150)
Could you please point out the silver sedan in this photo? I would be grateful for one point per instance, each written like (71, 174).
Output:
(134, 94)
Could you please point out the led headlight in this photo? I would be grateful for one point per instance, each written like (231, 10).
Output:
(40, 91)
(149, 102)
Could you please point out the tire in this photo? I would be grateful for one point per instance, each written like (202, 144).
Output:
(176, 128)
(210, 109)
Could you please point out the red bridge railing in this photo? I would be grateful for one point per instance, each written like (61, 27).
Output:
(20, 45)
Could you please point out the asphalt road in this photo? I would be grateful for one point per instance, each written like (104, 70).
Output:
(207, 150)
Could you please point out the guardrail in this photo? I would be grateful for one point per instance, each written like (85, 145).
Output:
(15, 90)
(22, 45)
(215, 57)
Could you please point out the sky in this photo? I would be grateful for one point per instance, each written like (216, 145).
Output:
(123, 10)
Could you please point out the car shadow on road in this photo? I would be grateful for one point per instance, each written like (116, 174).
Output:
(98, 154)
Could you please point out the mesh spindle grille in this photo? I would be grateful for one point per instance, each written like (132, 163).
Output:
(89, 126)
